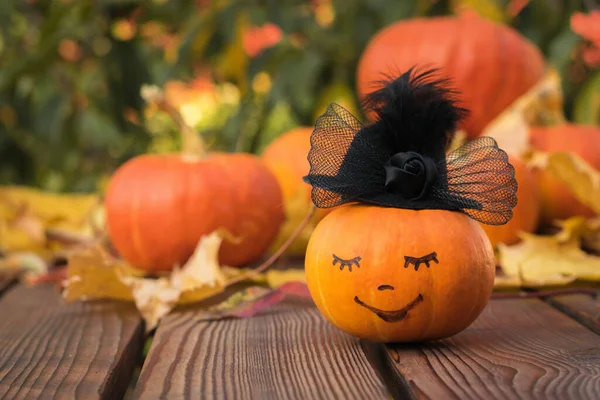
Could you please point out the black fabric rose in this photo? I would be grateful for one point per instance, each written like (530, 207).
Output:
(410, 175)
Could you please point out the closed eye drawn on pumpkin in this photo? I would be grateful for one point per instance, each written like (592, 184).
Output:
(417, 261)
(346, 263)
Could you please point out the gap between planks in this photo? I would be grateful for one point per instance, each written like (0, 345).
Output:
(521, 349)
(52, 349)
(581, 307)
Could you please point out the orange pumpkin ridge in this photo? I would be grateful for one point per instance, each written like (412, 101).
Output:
(491, 64)
(373, 281)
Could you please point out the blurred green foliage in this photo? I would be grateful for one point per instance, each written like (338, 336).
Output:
(72, 71)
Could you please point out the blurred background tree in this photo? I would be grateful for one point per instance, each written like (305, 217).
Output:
(241, 72)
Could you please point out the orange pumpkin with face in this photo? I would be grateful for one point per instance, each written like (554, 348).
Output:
(399, 275)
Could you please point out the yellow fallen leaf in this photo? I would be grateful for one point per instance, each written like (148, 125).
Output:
(245, 295)
(548, 261)
(459, 138)
(15, 240)
(275, 278)
(24, 261)
(94, 274)
(511, 132)
(488, 9)
(27, 213)
(201, 276)
(580, 177)
(572, 229)
(507, 282)
(583, 229)
(541, 105)
(591, 236)
(154, 298)
(60, 210)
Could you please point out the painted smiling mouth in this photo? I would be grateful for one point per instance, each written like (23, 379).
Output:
(391, 316)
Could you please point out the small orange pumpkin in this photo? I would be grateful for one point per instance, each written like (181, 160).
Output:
(526, 213)
(558, 202)
(159, 206)
(427, 277)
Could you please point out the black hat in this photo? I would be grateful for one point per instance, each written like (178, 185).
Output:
(400, 160)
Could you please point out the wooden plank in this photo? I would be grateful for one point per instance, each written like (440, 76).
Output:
(289, 351)
(49, 349)
(7, 278)
(583, 308)
(521, 349)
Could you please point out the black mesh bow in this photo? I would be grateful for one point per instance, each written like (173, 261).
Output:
(400, 160)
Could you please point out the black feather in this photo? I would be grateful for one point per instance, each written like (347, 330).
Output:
(416, 111)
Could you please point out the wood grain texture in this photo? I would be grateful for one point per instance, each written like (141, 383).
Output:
(583, 308)
(49, 349)
(7, 279)
(287, 352)
(517, 349)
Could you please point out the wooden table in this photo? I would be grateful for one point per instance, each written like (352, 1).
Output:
(517, 349)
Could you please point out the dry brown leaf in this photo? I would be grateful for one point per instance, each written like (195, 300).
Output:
(580, 177)
(547, 261)
(254, 299)
(541, 105)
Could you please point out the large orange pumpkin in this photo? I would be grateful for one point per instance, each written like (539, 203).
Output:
(526, 213)
(558, 202)
(159, 206)
(398, 275)
(286, 156)
(491, 64)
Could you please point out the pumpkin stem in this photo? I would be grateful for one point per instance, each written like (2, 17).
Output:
(193, 147)
(271, 260)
